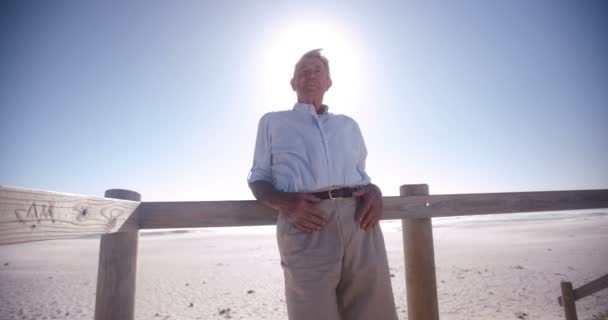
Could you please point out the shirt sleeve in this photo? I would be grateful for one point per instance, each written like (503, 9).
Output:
(362, 156)
(262, 160)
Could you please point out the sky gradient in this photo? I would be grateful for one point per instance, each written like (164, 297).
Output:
(164, 98)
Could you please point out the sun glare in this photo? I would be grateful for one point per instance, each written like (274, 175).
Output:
(293, 39)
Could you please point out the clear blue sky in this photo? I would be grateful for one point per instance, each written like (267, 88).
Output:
(164, 97)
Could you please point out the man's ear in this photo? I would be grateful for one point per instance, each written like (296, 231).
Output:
(293, 84)
(329, 83)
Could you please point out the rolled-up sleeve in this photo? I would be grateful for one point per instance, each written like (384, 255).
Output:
(262, 157)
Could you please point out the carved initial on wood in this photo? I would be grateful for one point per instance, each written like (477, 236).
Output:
(36, 213)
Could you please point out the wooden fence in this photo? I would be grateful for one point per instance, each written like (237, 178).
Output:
(30, 215)
(570, 296)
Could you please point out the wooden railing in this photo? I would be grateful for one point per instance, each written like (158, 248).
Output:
(570, 296)
(30, 215)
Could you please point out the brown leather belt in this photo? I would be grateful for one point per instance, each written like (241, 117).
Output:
(334, 193)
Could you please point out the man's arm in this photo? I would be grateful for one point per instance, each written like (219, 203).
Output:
(298, 207)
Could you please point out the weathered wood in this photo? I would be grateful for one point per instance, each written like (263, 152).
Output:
(420, 279)
(29, 215)
(155, 215)
(568, 301)
(492, 203)
(591, 287)
(116, 274)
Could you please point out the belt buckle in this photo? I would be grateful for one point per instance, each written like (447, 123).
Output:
(329, 192)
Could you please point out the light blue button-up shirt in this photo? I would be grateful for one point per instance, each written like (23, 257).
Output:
(302, 151)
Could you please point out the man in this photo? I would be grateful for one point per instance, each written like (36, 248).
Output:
(309, 165)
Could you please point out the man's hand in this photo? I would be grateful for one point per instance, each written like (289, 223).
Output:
(370, 211)
(298, 207)
(300, 211)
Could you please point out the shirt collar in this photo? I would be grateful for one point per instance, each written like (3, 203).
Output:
(305, 107)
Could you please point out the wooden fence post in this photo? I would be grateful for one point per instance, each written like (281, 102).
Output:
(116, 274)
(568, 300)
(420, 279)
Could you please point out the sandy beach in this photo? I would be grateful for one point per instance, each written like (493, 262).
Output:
(509, 268)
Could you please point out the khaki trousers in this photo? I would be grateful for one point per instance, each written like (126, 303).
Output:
(338, 273)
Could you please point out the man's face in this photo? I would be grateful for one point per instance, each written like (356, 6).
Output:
(310, 79)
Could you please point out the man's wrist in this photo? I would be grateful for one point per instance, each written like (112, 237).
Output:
(374, 188)
(265, 193)
(283, 200)
(276, 199)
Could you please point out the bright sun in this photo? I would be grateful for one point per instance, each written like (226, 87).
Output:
(292, 40)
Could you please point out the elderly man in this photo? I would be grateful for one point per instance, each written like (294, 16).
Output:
(309, 165)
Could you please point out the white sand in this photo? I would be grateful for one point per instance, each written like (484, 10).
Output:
(489, 270)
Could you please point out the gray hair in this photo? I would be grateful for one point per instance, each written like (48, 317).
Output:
(316, 53)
